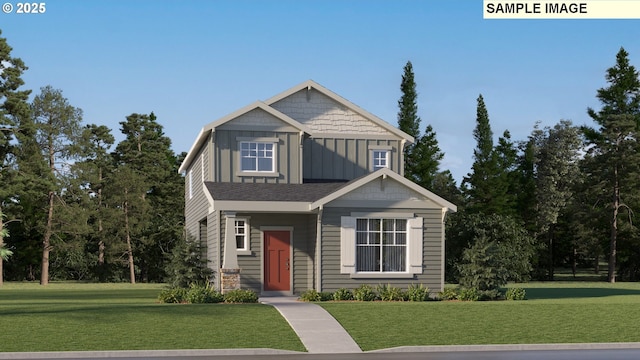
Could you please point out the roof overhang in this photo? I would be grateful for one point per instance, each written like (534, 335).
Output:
(384, 174)
(264, 206)
(211, 127)
(310, 84)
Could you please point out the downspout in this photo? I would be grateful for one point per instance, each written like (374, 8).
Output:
(217, 265)
(300, 155)
(442, 240)
(319, 250)
(403, 142)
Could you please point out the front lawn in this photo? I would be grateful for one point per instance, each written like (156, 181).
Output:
(554, 313)
(76, 317)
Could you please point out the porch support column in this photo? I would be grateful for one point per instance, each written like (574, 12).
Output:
(318, 257)
(230, 271)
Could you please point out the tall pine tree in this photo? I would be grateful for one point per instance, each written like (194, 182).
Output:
(58, 134)
(615, 146)
(422, 158)
(146, 151)
(486, 186)
(13, 108)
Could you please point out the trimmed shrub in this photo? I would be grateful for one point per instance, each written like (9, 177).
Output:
(486, 295)
(326, 296)
(202, 294)
(448, 294)
(417, 293)
(173, 296)
(310, 295)
(342, 294)
(364, 293)
(516, 294)
(241, 296)
(390, 293)
(469, 294)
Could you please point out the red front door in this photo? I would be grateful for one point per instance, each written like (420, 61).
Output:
(276, 260)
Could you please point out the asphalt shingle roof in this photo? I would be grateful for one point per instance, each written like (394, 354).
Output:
(308, 192)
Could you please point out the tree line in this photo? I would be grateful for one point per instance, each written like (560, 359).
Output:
(564, 197)
(73, 203)
(76, 205)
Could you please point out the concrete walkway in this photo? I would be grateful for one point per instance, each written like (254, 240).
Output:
(319, 332)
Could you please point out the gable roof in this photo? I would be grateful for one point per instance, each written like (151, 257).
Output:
(314, 194)
(266, 106)
(211, 127)
(383, 173)
(310, 84)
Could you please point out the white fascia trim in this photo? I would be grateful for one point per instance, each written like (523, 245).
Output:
(383, 215)
(258, 105)
(339, 99)
(207, 194)
(264, 206)
(385, 172)
(195, 148)
(383, 275)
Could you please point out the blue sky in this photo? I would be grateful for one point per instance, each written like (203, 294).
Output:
(192, 62)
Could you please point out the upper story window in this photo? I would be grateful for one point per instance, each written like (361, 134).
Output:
(257, 156)
(380, 159)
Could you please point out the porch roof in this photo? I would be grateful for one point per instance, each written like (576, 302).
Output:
(307, 192)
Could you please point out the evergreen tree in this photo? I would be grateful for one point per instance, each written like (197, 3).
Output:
(13, 108)
(58, 130)
(557, 174)
(91, 174)
(408, 119)
(487, 186)
(422, 158)
(146, 151)
(615, 146)
(497, 250)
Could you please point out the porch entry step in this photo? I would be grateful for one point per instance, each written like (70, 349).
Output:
(319, 332)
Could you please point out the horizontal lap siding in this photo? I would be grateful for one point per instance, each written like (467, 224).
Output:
(303, 249)
(332, 279)
(196, 207)
(213, 249)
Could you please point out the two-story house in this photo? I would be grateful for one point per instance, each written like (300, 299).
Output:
(306, 191)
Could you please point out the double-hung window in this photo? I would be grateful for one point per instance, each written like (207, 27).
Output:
(257, 156)
(241, 229)
(381, 245)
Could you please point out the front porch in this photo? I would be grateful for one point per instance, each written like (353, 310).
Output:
(274, 252)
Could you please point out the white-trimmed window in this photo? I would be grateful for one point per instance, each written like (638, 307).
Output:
(241, 228)
(379, 245)
(380, 159)
(257, 156)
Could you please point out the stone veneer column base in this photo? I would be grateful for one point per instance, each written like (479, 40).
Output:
(229, 280)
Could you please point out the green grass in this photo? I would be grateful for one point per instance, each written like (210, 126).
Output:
(565, 312)
(76, 317)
